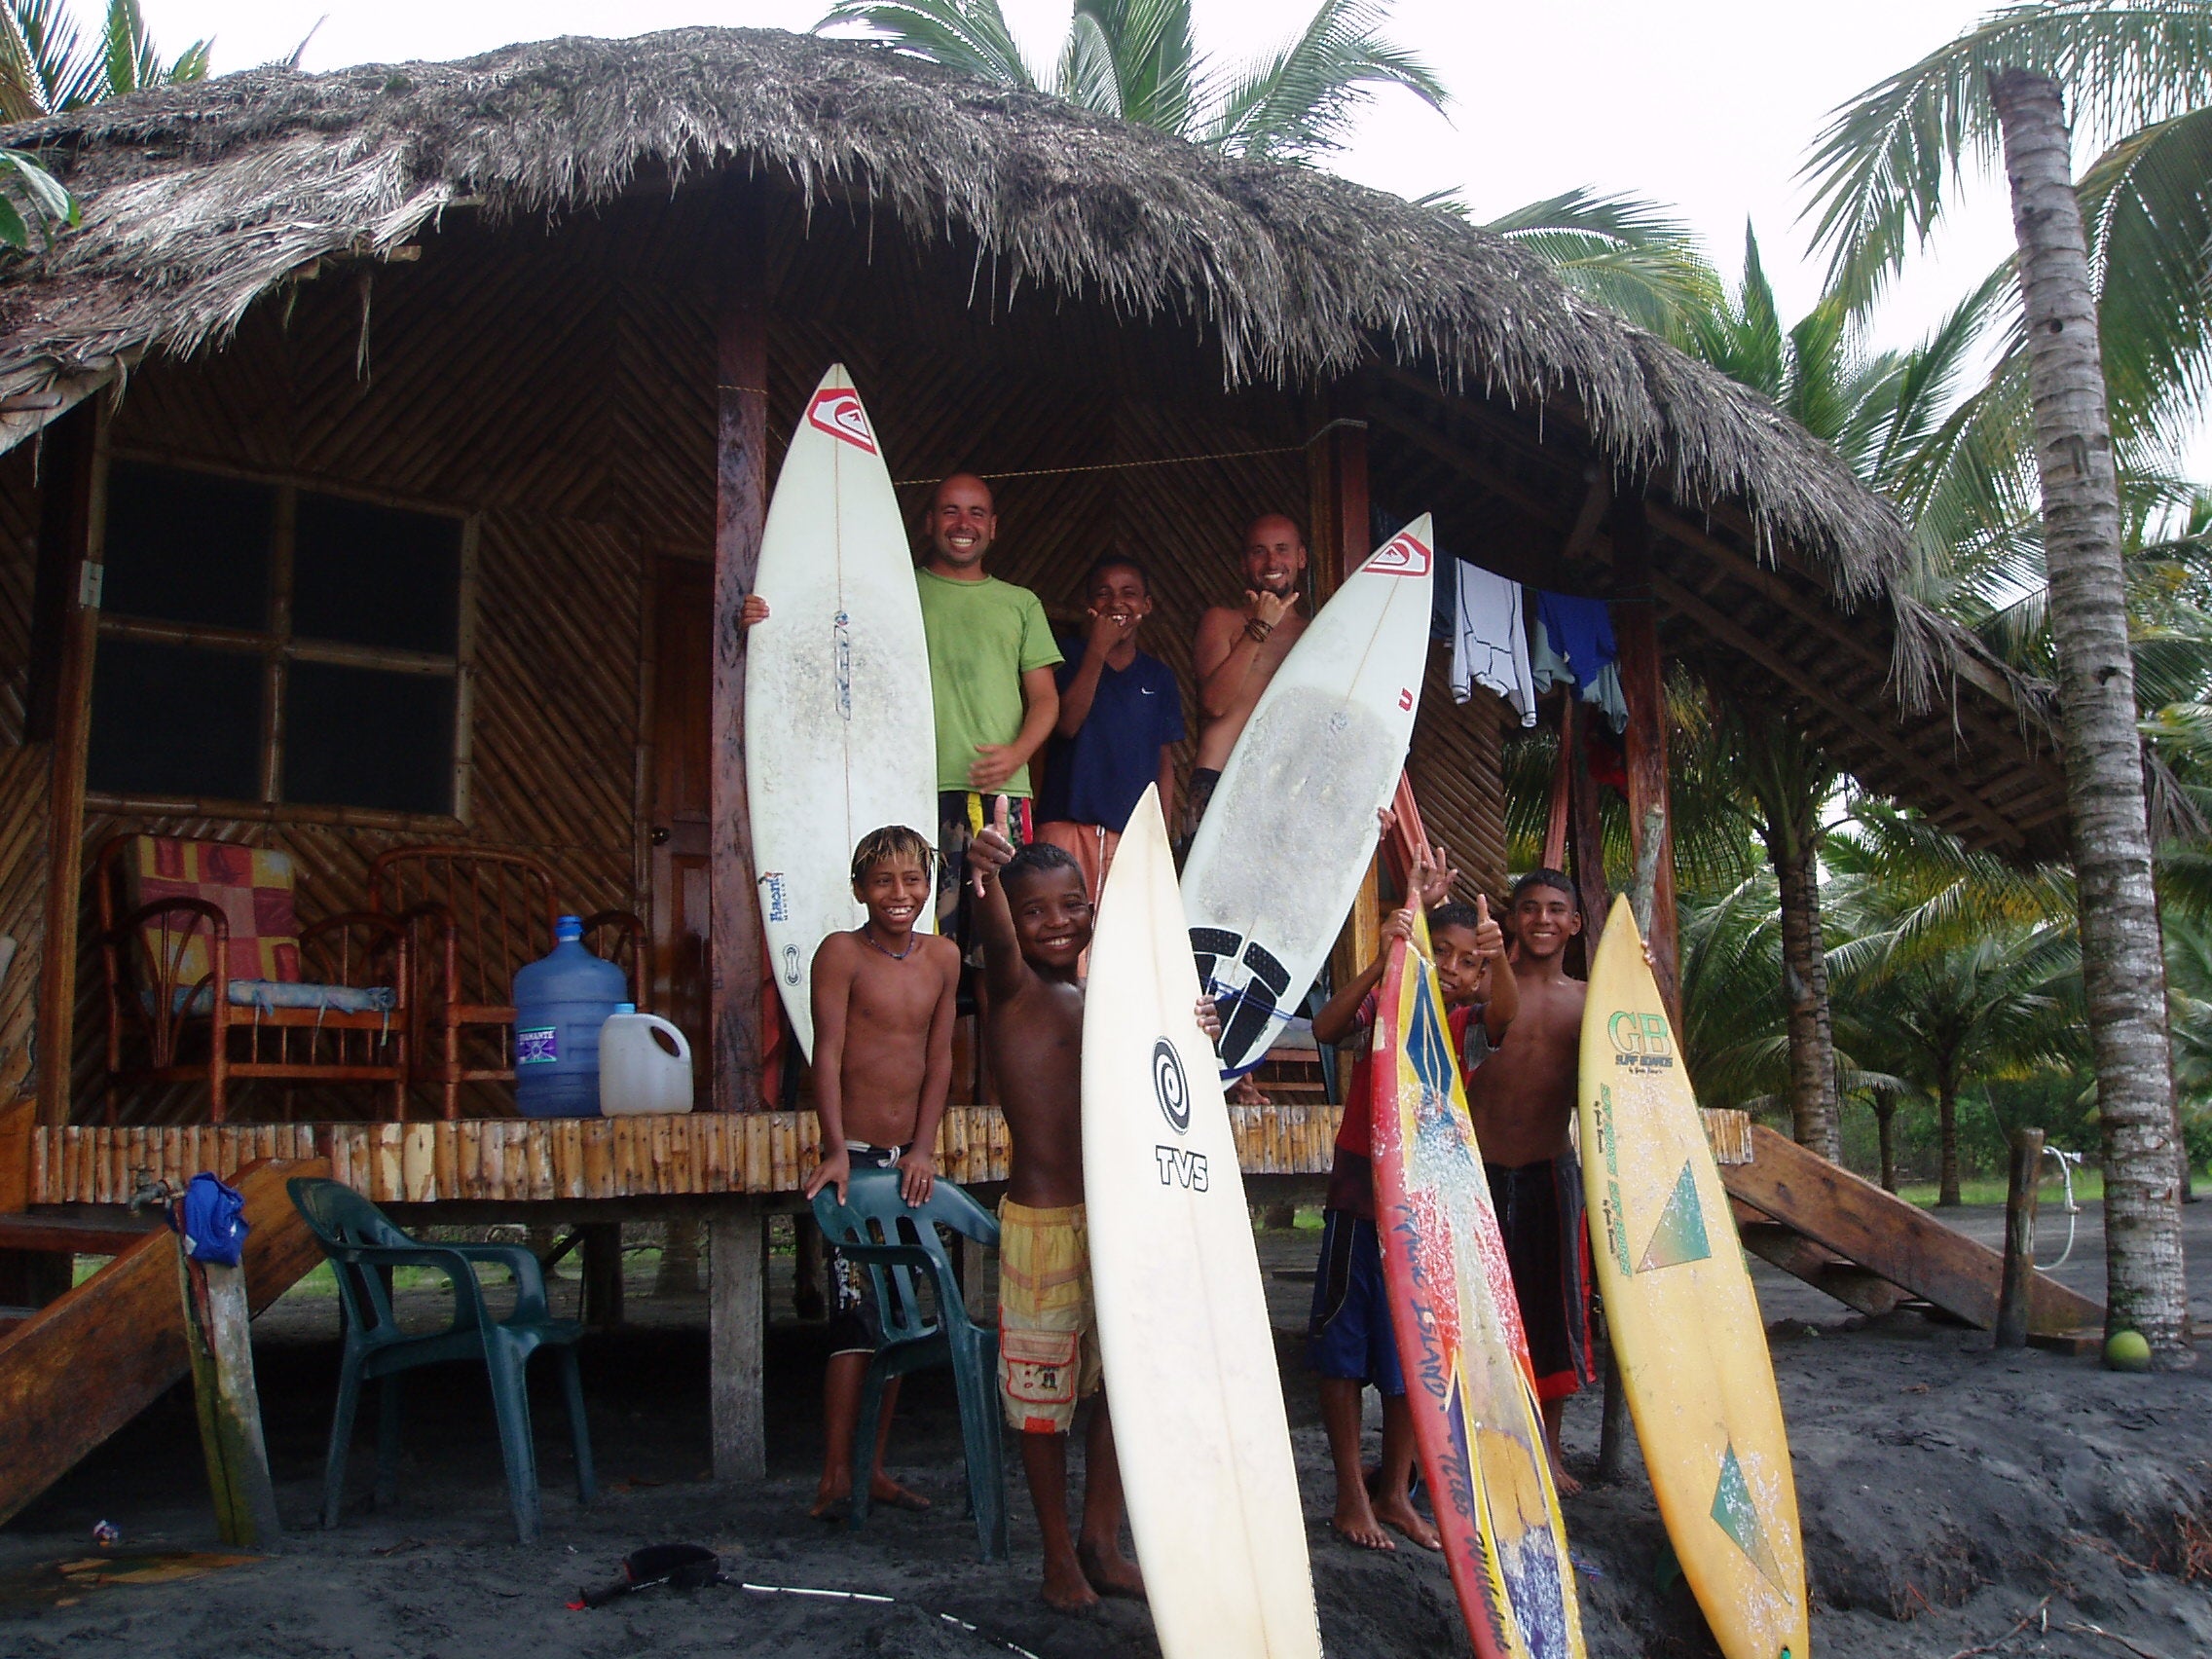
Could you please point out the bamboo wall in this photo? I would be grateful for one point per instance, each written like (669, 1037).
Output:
(23, 768)
(561, 385)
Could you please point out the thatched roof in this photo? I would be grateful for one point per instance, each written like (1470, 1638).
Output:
(198, 199)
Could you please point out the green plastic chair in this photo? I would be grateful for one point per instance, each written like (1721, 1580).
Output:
(874, 1228)
(363, 1246)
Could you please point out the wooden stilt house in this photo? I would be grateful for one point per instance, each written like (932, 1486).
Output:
(386, 459)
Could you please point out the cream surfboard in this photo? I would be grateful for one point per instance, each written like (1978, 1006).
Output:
(1290, 830)
(1461, 1341)
(1684, 1319)
(839, 738)
(1199, 1420)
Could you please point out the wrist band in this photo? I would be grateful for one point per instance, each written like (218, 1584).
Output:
(1263, 630)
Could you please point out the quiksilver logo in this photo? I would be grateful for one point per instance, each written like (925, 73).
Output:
(1170, 1087)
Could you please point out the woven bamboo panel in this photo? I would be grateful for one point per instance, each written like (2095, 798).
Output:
(23, 778)
(524, 1160)
(19, 567)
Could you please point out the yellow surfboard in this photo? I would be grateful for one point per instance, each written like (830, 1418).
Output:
(1684, 1319)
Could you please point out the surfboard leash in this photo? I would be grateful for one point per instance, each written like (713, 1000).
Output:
(878, 1600)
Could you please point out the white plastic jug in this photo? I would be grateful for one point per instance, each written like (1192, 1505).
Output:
(636, 1074)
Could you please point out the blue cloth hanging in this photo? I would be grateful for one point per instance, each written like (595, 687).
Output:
(1582, 630)
(212, 1219)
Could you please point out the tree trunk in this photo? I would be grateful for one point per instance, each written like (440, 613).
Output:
(1947, 1121)
(1886, 1132)
(1805, 985)
(2121, 972)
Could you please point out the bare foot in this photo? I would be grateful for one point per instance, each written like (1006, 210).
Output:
(886, 1490)
(1569, 1486)
(1402, 1515)
(1109, 1572)
(1065, 1586)
(829, 1499)
(1356, 1521)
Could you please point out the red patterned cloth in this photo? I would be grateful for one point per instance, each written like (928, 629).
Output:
(253, 886)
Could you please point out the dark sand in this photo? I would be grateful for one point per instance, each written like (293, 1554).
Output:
(1946, 1490)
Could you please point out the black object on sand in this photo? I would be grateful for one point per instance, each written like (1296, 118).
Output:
(679, 1566)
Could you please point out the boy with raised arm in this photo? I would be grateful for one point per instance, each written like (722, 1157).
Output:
(883, 1009)
(1351, 1343)
(1033, 916)
(1522, 1103)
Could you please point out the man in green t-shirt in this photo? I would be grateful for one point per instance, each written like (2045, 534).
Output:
(991, 661)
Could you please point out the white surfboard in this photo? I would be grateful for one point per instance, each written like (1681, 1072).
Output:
(839, 737)
(1277, 861)
(1199, 1420)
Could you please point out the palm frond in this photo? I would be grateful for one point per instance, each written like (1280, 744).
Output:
(962, 34)
(1296, 103)
(1632, 255)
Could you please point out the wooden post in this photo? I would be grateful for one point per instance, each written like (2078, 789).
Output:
(218, 1337)
(977, 1286)
(1613, 1426)
(72, 545)
(1340, 539)
(741, 506)
(737, 1250)
(603, 1274)
(2016, 1288)
(1643, 674)
(1586, 835)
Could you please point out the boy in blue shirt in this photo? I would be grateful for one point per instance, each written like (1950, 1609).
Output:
(1121, 717)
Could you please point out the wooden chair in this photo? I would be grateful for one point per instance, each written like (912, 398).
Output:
(473, 915)
(209, 976)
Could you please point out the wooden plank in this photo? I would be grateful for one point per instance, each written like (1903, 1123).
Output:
(741, 504)
(1881, 1232)
(737, 1342)
(20, 1178)
(72, 1235)
(1823, 1270)
(211, 1299)
(125, 1328)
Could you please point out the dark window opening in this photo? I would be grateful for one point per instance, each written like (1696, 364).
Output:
(349, 614)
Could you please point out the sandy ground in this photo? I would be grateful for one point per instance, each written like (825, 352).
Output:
(1946, 1491)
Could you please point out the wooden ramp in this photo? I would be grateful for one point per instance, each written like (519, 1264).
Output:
(1871, 1250)
(74, 1372)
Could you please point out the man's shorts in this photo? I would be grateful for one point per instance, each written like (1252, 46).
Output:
(1349, 1336)
(1048, 1327)
(1540, 1213)
(856, 1324)
(961, 816)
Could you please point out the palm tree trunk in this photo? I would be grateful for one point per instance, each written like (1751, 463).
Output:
(2121, 968)
(1886, 1132)
(1948, 1136)
(1805, 981)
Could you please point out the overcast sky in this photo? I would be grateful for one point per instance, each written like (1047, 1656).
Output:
(1707, 105)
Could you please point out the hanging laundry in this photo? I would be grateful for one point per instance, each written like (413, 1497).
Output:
(1490, 640)
(1574, 646)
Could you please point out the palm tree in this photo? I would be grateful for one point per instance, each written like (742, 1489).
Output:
(1138, 60)
(1882, 169)
(46, 67)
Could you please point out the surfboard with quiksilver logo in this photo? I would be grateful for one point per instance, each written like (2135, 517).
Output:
(1291, 828)
(1199, 1420)
(839, 736)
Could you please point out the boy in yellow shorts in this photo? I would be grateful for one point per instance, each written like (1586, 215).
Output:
(1033, 916)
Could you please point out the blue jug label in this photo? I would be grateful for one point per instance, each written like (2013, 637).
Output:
(537, 1047)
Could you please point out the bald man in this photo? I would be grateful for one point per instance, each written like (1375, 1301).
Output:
(991, 660)
(1239, 646)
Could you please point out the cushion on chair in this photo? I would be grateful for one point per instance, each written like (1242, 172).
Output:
(271, 994)
(253, 886)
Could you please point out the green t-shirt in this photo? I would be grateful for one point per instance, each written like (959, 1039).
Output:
(983, 638)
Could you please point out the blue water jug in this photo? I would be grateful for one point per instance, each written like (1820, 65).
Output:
(561, 1000)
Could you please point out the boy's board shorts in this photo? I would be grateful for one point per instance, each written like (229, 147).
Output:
(961, 816)
(1349, 1334)
(856, 1324)
(1539, 1211)
(1048, 1326)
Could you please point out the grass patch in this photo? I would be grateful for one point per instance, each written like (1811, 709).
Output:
(2088, 1188)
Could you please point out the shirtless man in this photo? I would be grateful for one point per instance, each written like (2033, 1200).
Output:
(883, 999)
(1033, 915)
(1239, 648)
(1522, 1099)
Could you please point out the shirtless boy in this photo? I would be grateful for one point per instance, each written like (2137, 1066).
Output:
(1033, 918)
(1522, 1103)
(883, 1009)
(1239, 646)
(1350, 1339)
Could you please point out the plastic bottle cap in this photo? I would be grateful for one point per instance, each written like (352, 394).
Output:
(568, 928)
(625, 1008)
